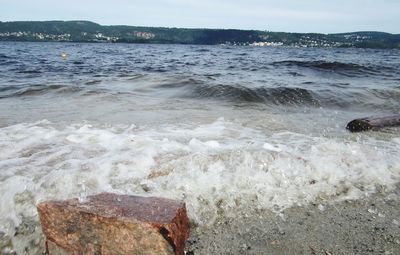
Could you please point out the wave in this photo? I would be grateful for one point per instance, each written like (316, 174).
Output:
(202, 50)
(30, 71)
(36, 90)
(8, 62)
(336, 95)
(346, 69)
(3, 56)
(278, 96)
(238, 93)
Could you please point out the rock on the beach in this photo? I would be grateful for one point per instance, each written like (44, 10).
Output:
(114, 224)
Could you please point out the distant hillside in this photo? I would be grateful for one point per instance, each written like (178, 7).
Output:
(86, 31)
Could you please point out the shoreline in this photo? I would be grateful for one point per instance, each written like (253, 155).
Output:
(364, 226)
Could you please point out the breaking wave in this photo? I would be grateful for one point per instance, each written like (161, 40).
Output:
(346, 69)
(12, 91)
(277, 96)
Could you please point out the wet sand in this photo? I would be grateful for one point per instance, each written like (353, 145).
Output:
(367, 226)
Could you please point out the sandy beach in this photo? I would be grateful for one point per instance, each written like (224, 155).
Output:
(367, 226)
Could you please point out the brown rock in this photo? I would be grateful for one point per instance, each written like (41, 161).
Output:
(115, 224)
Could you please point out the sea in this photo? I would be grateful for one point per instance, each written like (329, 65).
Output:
(223, 128)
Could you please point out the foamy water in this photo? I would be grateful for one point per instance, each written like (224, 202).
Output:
(216, 167)
(219, 128)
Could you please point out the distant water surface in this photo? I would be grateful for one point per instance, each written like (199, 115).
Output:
(221, 127)
(142, 76)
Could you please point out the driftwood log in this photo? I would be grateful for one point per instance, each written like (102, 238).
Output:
(372, 123)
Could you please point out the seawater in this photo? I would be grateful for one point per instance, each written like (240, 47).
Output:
(223, 128)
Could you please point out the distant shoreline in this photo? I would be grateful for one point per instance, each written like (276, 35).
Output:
(90, 32)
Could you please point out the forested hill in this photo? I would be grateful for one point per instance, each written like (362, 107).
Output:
(86, 31)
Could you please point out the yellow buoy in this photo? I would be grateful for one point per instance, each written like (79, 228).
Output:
(64, 55)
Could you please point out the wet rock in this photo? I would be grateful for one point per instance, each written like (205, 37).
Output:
(115, 224)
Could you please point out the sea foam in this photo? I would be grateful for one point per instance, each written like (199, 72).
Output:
(215, 167)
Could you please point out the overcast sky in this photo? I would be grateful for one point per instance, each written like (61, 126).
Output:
(281, 15)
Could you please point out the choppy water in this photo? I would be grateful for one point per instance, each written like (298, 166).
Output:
(220, 127)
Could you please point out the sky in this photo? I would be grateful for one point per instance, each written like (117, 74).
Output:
(322, 16)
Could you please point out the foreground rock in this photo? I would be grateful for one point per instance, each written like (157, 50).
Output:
(114, 224)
